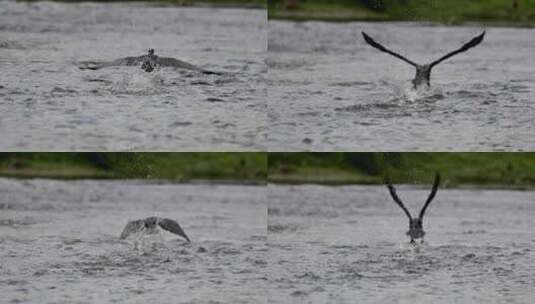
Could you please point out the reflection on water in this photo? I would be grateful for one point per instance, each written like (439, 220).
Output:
(338, 244)
(329, 90)
(48, 103)
(59, 243)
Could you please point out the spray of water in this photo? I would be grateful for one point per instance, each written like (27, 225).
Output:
(422, 93)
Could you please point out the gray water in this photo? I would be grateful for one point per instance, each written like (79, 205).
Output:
(49, 104)
(330, 91)
(348, 245)
(59, 243)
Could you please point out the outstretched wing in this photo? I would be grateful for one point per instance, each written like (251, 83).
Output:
(172, 62)
(396, 198)
(431, 195)
(173, 227)
(378, 46)
(126, 61)
(475, 41)
(131, 227)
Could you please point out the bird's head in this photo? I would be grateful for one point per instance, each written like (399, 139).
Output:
(150, 222)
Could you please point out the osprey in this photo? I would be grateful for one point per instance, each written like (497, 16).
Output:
(147, 62)
(150, 226)
(423, 71)
(416, 229)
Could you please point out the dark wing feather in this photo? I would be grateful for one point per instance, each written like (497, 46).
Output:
(173, 227)
(378, 46)
(130, 228)
(126, 61)
(172, 62)
(396, 198)
(431, 195)
(475, 41)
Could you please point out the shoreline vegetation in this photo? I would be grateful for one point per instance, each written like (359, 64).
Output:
(450, 12)
(174, 167)
(206, 3)
(458, 170)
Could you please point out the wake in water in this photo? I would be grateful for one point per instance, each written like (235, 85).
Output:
(138, 83)
(422, 93)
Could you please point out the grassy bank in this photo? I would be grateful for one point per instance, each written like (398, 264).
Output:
(515, 170)
(447, 12)
(169, 166)
(213, 3)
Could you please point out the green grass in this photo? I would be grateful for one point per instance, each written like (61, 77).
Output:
(490, 169)
(443, 11)
(323, 10)
(515, 170)
(170, 166)
(218, 3)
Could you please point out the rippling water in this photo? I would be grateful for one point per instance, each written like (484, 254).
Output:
(329, 90)
(59, 243)
(49, 104)
(348, 244)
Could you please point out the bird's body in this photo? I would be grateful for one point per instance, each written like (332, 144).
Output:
(416, 229)
(148, 62)
(151, 225)
(423, 71)
(422, 77)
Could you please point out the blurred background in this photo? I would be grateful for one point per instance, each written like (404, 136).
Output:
(489, 169)
(232, 3)
(450, 11)
(181, 167)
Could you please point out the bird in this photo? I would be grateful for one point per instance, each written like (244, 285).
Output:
(423, 71)
(416, 230)
(148, 63)
(150, 225)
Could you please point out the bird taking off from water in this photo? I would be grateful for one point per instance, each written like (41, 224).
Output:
(150, 226)
(416, 229)
(423, 71)
(147, 62)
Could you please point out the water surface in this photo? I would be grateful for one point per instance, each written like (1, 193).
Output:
(330, 91)
(347, 244)
(49, 104)
(59, 243)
